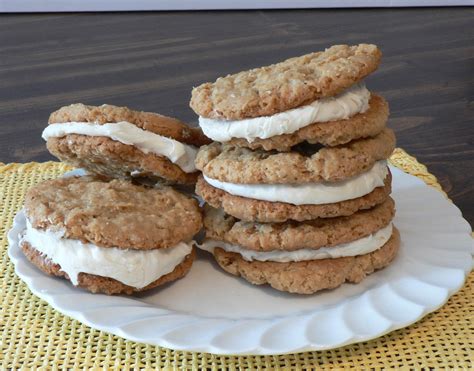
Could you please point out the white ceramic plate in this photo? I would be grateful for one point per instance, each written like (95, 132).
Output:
(211, 311)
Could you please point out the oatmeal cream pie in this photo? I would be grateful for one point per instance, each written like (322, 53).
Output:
(269, 186)
(316, 98)
(121, 143)
(110, 236)
(304, 257)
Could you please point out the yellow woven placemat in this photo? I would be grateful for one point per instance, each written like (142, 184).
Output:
(33, 334)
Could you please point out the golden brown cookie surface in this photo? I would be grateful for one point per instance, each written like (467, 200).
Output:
(107, 157)
(244, 166)
(290, 236)
(308, 277)
(279, 87)
(113, 213)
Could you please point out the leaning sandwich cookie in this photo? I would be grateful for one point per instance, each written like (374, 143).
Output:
(121, 143)
(110, 236)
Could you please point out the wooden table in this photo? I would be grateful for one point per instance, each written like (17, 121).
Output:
(150, 61)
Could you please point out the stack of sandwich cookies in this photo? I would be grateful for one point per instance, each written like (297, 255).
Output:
(110, 236)
(298, 142)
(117, 142)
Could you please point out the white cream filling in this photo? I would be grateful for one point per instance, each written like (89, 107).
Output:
(136, 268)
(362, 246)
(347, 104)
(178, 153)
(309, 193)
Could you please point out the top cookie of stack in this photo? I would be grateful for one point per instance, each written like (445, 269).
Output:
(296, 142)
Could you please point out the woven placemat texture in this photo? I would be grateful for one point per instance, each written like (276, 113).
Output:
(32, 334)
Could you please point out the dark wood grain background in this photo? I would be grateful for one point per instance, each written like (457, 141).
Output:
(150, 61)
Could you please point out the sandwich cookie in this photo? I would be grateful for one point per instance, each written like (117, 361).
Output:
(268, 186)
(316, 98)
(303, 257)
(110, 236)
(117, 142)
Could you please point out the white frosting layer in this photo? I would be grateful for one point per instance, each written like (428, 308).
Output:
(362, 246)
(310, 193)
(178, 153)
(349, 103)
(136, 268)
